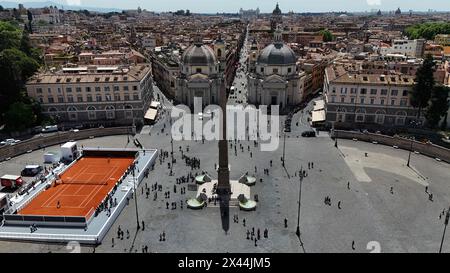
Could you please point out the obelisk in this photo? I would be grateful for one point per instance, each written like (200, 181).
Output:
(223, 185)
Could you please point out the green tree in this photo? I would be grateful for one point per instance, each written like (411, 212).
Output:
(427, 30)
(438, 105)
(9, 35)
(25, 45)
(15, 68)
(19, 116)
(424, 84)
(327, 36)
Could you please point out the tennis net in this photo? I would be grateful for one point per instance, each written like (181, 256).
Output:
(81, 182)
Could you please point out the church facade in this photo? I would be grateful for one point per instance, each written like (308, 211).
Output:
(275, 78)
(201, 73)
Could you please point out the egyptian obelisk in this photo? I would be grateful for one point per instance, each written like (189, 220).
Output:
(223, 185)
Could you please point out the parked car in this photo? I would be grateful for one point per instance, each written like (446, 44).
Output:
(9, 141)
(309, 134)
(50, 128)
(31, 170)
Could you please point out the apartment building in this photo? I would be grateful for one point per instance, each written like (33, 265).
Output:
(380, 99)
(93, 95)
(412, 48)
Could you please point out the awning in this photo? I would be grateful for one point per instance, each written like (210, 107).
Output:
(151, 114)
(319, 105)
(318, 116)
(154, 104)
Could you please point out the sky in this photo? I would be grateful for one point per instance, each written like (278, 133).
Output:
(213, 6)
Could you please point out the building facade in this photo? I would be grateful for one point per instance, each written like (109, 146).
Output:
(276, 79)
(368, 98)
(200, 74)
(92, 96)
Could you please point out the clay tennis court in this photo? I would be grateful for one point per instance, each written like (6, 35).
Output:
(74, 196)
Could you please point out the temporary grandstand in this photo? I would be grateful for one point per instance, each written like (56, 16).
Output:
(81, 201)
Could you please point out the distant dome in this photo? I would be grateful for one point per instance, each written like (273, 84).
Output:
(277, 10)
(199, 54)
(277, 54)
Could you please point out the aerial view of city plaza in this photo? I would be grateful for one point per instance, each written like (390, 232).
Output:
(252, 127)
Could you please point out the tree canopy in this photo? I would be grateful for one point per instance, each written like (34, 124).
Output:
(438, 105)
(18, 61)
(427, 30)
(424, 83)
(327, 36)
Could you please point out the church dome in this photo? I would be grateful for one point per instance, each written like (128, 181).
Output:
(199, 54)
(277, 54)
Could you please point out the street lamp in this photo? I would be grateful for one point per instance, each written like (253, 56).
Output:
(135, 197)
(284, 146)
(409, 155)
(299, 203)
(447, 216)
(335, 139)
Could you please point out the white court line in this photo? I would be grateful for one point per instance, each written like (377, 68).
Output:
(59, 193)
(98, 187)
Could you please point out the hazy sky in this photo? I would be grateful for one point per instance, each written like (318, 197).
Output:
(212, 6)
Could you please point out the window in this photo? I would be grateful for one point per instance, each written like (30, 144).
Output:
(108, 97)
(50, 99)
(198, 70)
(372, 101)
(69, 99)
(135, 96)
(89, 98)
(289, 70)
(69, 89)
(262, 69)
(49, 90)
(107, 88)
(394, 92)
(342, 99)
(41, 99)
(403, 102)
(135, 87)
(352, 100)
(333, 99)
(384, 92)
(334, 90)
(125, 88)
(405, 93)
(116, 88)
(382, 101)
(78, 89)
(80, 99)
(88, 89)
(392, 102)
(117, 97)
(373, 91)
(362, 100)
(91, 112)
(72, 113)
(97, 89)
(110, 114)
(128, 111)
(98, 98)
(363, 91)
(60, 99)
(126, 97)
(39, 90)
(275, 71)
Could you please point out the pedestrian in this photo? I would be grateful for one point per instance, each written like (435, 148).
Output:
(353, 245)
(339, 204)
(285, 222)
(113, 242)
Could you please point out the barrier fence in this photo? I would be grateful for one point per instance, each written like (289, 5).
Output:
(427, 149)
(58, 138)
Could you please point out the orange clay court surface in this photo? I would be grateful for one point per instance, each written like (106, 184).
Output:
(79, 199)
